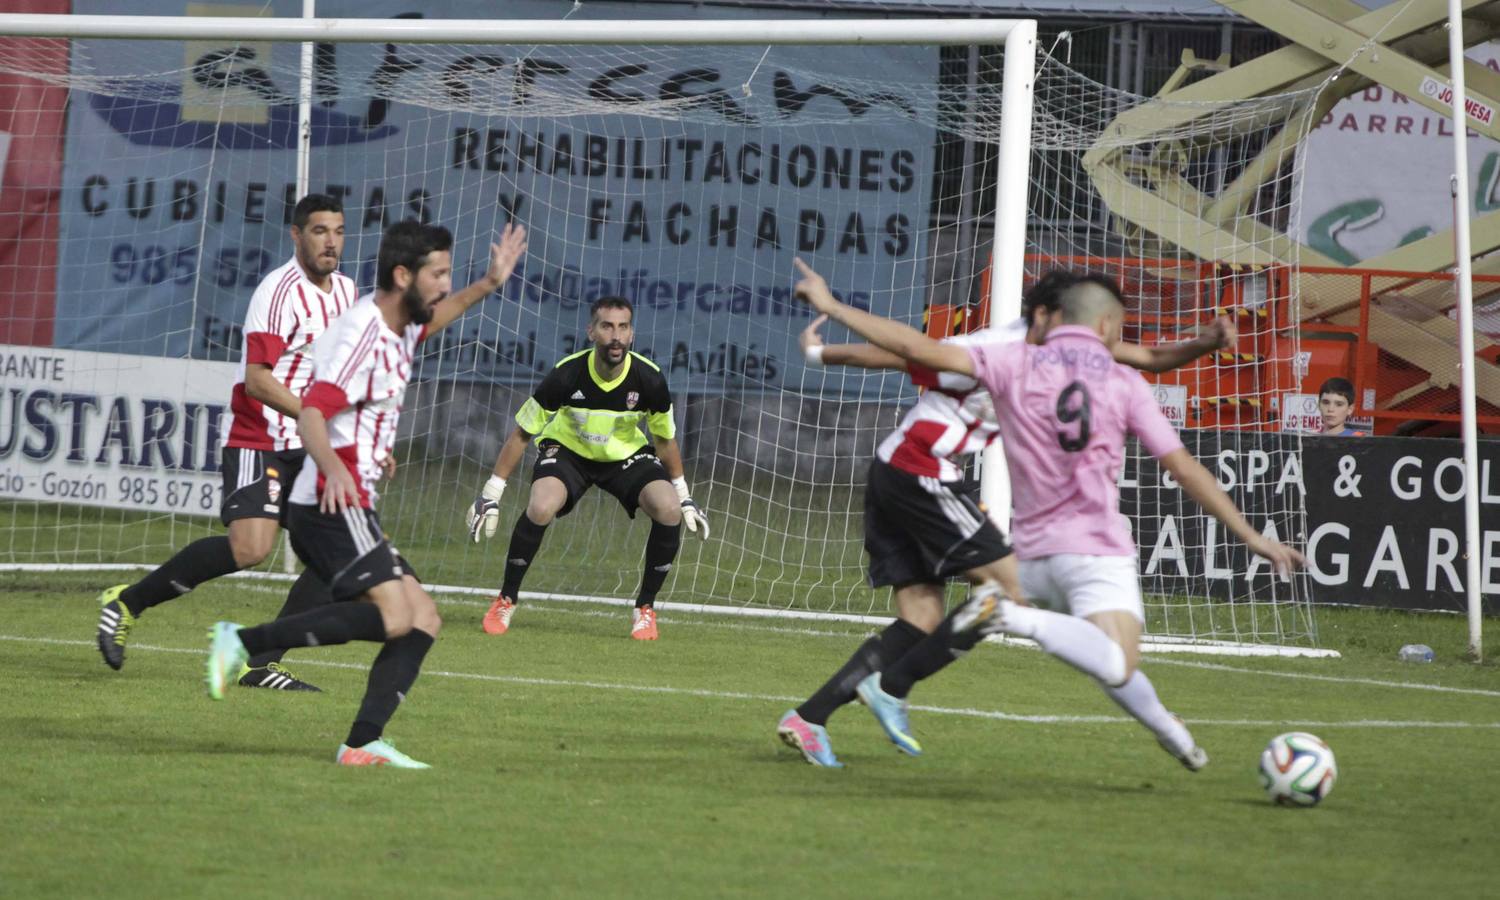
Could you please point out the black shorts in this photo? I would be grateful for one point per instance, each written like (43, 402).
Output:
(257, 482)
(624, 479)
(347, 550)
(924, 531)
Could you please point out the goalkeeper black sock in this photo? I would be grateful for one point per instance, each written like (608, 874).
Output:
(661, 550)
(393, 673)
(873, 655)
(525, 540)
(308, 592)
(200, 561)
(927, 658)
(323, 626)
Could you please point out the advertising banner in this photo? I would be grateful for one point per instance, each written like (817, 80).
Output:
(104, 429)
(1379, 519)
(177, 194)
(1377, 168)
(1386, 522)
(1183, 552)
(1173, 400)
(1300, 414)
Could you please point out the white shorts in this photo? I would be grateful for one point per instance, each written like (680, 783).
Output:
(1083, 585)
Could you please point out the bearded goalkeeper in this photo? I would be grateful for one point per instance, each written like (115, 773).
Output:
(588, 412)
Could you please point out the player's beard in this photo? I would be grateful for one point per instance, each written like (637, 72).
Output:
(419, 312)
(608, 351)
(320, 266)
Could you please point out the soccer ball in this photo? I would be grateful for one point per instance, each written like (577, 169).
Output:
(1297, 769)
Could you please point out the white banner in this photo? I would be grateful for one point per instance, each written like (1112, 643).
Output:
(1299, 413)
(105, 429)
(1173, 400)
(1377, 170)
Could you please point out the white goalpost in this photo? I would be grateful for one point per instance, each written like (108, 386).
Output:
(682, 164)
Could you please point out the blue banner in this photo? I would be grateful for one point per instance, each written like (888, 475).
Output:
(719, 167)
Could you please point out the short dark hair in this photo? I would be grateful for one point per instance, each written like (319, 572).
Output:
(1044, 294)
(1048, 290)
(610, 302)
(407, 244)
(314, 203)
(1341, 386)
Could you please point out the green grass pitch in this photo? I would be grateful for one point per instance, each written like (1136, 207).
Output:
(571, 761)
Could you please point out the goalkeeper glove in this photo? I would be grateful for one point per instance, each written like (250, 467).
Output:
(692, 513)
(484, 514)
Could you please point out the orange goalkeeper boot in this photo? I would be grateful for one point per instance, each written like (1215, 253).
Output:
(497, 620)
(643, 624)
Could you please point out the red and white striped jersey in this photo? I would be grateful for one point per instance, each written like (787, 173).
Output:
(953, 418)
(361, 370)
(287, 313)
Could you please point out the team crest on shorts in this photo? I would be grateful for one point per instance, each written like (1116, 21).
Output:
(631, 399)
(273, 490)
(550, 451)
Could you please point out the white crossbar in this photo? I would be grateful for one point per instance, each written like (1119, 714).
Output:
(518, 31)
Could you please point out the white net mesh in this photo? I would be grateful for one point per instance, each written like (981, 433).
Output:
(1188, 203)
(683, 178)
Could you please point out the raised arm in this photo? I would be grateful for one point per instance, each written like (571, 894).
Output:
(503, 259)
(863, 356)
(1219, 335)
(905, 342)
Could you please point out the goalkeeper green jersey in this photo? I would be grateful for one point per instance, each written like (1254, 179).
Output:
(597, 419)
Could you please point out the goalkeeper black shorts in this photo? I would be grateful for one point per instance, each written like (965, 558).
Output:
(623, 479)
(919, 530)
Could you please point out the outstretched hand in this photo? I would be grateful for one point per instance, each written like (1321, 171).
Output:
(1284, 560)
(810, 337)
(812, 289)
(505, 254)
(1222, 332)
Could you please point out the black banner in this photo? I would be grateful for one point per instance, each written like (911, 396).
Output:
(1184, 552)
(1385, 522)
(1380, 519)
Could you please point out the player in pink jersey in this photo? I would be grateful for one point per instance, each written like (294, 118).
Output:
(260, 459)
(922, 524)
(348, 423)
(1065, 408)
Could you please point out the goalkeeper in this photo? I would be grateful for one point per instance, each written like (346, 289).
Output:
(588, 412)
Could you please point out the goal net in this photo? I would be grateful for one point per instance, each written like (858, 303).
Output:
(157, 179)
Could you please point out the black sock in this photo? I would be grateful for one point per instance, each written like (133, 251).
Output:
(323, 626)
(525, 540)
(927, 658)
(872, 656)
(661, 550)
(308, 592)
(194, 564)
(391, 677)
